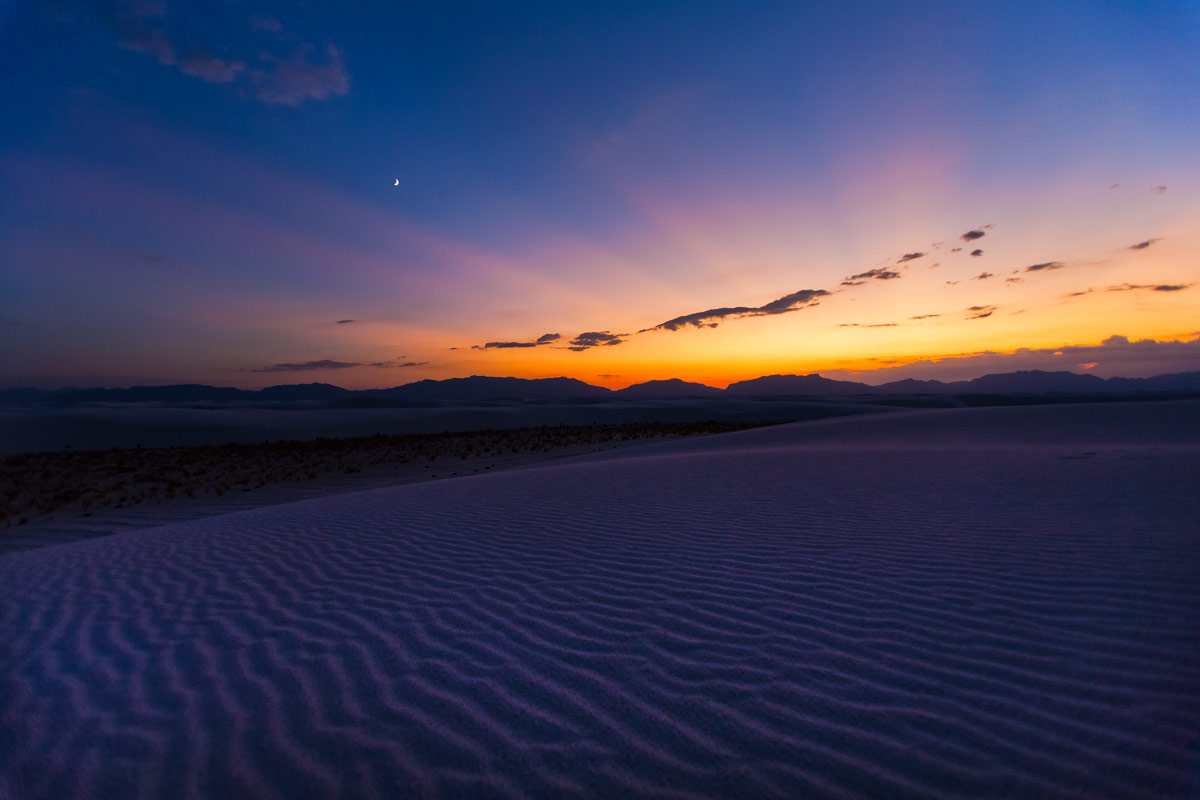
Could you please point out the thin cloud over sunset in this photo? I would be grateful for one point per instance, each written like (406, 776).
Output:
(308, 366)
(713, 316)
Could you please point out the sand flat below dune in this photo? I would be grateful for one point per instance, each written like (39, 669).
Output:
(987, 603)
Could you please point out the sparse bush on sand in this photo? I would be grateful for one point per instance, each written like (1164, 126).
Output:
(39, 484)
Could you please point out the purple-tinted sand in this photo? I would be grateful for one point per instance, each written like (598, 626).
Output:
(998, 602)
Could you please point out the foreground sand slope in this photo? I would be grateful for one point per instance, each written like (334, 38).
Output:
(983, 602)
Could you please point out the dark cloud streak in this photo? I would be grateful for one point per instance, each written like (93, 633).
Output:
(1159, 287)
(705, 319)
(308, 366)
(877, 274)
(590, 339)
(981, 312)
(545, 338)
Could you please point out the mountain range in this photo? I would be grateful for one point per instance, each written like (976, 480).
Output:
(478, 388)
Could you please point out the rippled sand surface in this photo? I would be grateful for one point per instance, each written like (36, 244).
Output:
(999, 602)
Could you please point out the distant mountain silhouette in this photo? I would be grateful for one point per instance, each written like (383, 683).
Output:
(1039, 382)
(479, 388)
(1171, 382)
(1023, 382)
(303, 391)
(670, 388)
(912, 386)
(179, 393)
(786, 385)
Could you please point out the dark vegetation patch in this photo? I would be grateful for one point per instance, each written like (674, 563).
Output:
(39, 484)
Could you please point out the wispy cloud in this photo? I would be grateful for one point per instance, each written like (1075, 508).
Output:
(713, 316)
(327, 364)
(1143, 245)
(983, 276)
(877, 274)
(1158, 189)
(208, 67)
(1156, 287)
(545, 338)
(977, 253)
(981, 312)
(308, 366)
(274, 68)
(909, 257)
(971, 236)
(586, 341)
(307, 74)
(397, 364)
(1047, 266)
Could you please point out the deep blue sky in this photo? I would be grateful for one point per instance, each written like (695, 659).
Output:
(197, 190)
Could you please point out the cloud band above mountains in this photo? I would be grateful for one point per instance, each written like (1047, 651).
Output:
(1115, 356)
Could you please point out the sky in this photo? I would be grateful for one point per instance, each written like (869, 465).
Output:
(254, 193)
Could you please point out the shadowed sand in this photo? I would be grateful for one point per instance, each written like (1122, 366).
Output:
(999, 602)
(58, 497)
(29, 429)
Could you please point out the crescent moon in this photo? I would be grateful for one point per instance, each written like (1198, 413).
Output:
(397, 183)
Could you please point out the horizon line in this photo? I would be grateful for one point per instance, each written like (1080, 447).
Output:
(81, 388)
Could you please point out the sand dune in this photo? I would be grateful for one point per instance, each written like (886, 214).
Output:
(971, 603)
(58, 497)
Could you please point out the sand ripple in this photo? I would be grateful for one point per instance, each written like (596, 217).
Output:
(768, 615)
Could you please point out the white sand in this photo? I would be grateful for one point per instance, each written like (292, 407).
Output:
(983, 602)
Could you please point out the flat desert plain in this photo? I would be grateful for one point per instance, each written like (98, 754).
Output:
(991, 602)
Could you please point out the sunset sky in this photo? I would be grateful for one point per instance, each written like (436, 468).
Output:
(244, 193)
